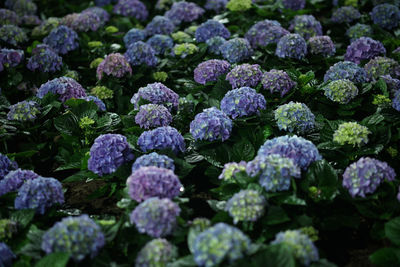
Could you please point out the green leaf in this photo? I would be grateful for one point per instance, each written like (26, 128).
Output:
(243, 150)
(23, 217)
(279, 255)
(386, 257)
(67, 124)
(276, 215)
(392, 230)
(187, 261)
(69, 166)
(56, 259)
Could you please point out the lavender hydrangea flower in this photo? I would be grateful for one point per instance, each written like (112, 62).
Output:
(79, 236)
(362, 49)
(277, 81)
(131, 8)
(156, 93)
(218, 243)
(236, 50)
(160, 43)
(10, 58)
(346, 70)
(62, 39)
(152, 181)
(153, 116)
(39, 194)
(134, 35)
(153, 159)
(386, 16)
(244, 75)
(396, 100)
(294, 117)
(392, 84)
(306, 26)
(15, 179)
(141, 53)
(184, 12)
(265, 32)
(99, 103)
(364, 176)
(6, 165)
(301, 245)
(8, 17)
(12, 35)
(294, 4)
(210, 125)
(321, 45)
(44, 59)
(6, 255)
(231, 168)
(100, 12)
(157, 252)
(359, 30)
(86, 21)
(160, 25)
(242, 102)
(211, 28)
(341, 91)
(114, 65)
(380, 66)
(215, 5)
(23, 111)
(22, 7)
(162, 138)
(247, 205)
(210, 70)
(345, 14)
(291, 46)
(155, 217)
(214, 45)
(351, 133)
(108, 153)
(65, 87)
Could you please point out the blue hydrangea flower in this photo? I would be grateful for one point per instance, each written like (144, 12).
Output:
(12, 35)
(62, 39)
(381, 66)
(44, 59)
(6, 165)
(86, 21)
(362, 49)
(242, 102)
(79, 236)
(218, 243)
(162, 138)
(244, 75)
(359, 30)
(216, 5)
(294, 4)
(100, 12)
(214, 44)
(265, 32)
(22, 7)
(100, 104)
(15, 179)
(396, 100)
(153, 116)
(351, 133)
(386, 15)
(210, 70)
(141, 53)
(306, 25)
(160, 43)
(345, 14)
(211, 28)
(294, 117)
(277, 81)
(346, 70)
(153, 159)
(364, 176)
(291, 46)
(131, 8)
(134, 35)
(103, 2)
(114, 65)
(157, 252)
(65, 87)
(210, 125)
(246, 205)
(184, 12)
(341, 91)
(392, 84)
(321, 45)
(9, 17)
(155, 217)
(302, 247)
(10, 58)
(39, 194)
(6, 255)
(300, 150)
(160, 25)
(236, 50)
(156, 93)
(23, 111)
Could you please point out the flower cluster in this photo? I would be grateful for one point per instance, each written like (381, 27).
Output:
(65, 87)
(244, 75)
(239, 5)
(7, 229)
(10, 58)
(23, 111)
(156, 93)
(86, 21)
(22, 7)
(159, 25)
(211, 28)
(157, 252)
(242, 102)
(246, 205)
(31, 20)
(134, 35)
(131, 8)
(49, 24)
(386, 16)
(216, 5)
(381, 66)
(6, 165)
(345, 14)
(9, 17)
(364, 176)
(15, 179)
(6, 255)
(351, 133)
(162, 138)
(277, 81)
(141, 53)
(359, 30)
(341, 91)
(294, 117)
(100, 12)
(39, 194)
(184, 12)
(231, 168)
(346, 70)
(392, 84)
(294, 4)
(62, 39)
(291, 46)
(396, 100)
(79, 236)
(362, 49)
(160, 43)
(321, 45)
(265, 32)
(155, 217)
(44, 59)
(153, 116)
(181, 37)
(154, 159)
(12, 35)
(99, 103)
(185, 49)
(236, 50)
(214, 45)
(306, 26)
(210, 70)
(114, 65)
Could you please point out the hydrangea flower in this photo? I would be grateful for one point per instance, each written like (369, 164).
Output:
(103, 2)
(380, 66)
(6, 255)
(154, 159)
(396, 100)
(345, 14)
(300, 150)
(239, 5)
(79, 236)
(341, 91)
(131, 8)
(8, 17)
(362, 49)
(392, 84)
(214, 45)
(160, 43)
(6, 165)
(39, 194)
(181, 37)
(210, 125)
(15, 179)
(134, 35)
(160, 25)
(236, 50)
(114, 65)
(220, 242)
(231, 168)
(321, 45)
(210, 70)
(10, 58)
(155, 217)
(215, 5)
(44, 59)
(244, 75)
(49, 24)
(291, 46)
(157, 252)
(294, 117)
(7, 229)
(386, 16)
(184, 12)
(265, 32)
(359, 30)
(156, 93)
(100, 12)
(162, 138)
(242, 102)
(141, 53)
(22, 7)
(108, 153)
(185, 49)
(12, 35)
(102, 92)
(303, 248)
(99, 103)
(247, 205)
(294, 4)
(62, 40)
(346, 70)
(306, 26)
(365, 175)
(65, 87)
(211, 28)
(277, 81)
(152, 116)
(86, 21)
(23, 111)
(152, 181)
(31, 20)
(351, 133)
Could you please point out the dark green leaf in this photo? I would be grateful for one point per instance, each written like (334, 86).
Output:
(23, 217)
(386, 257)
(56, 259)
(392, 230)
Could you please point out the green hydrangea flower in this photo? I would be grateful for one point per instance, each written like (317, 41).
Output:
(160, 76)
(111, 29)
(181, 37)
(102, 92)
(95, 44)
(341, 91)
(185, 49)
(351, 133)
(381, 100)
(95, 63)
(239, 5)
(85, 122)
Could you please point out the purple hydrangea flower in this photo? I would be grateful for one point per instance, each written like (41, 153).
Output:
(294, 117)
(291, 46)
(265, 32)
(386, 15)
(162, 138)
(294, 4)
(100, 104)
(12, 35)
(242, 102)
(134, 35)
(141, 53)
(380, 66)
(39, 194)
(131, 8)
(114, 65)
(359, 30)
(277, 81)
(244, 75)
(6, 165)
(341, 91)
(392, 84)
(160, 25)
(345, 14)
(210, 125)
(396, 100)
(214, 45)
(86, 21)
(346, 70)
(153, 116)
(211, 28)
(8, 17)
(155, 217)
(62, 39)
(147, 182)
(31, 20)
(108, 153)
(153, 159)
(65, 87)
(44, 59)
(156, 93)
(246, 205)
(100, 12)
(22, 7)
(23, 111)
(10, 58)
(6, 255)
(363, 48)
(15, 179)
(321, 45)
(216, 5)
(210, 70)
(103, 2)
(364, 176)
(157, 252)
(160, 43)
(184, 12)
(78, 236)
(306, 25)
(236, 50)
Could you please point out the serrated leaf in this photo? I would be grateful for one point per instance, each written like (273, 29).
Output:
(56, 259)
(392, 230)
